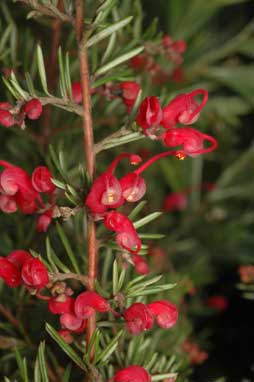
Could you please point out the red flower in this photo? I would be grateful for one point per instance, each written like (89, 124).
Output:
(217, 302)
(9, 273)
(33, 108)
(130, 90)
(8, 204)
(44, 221)
(14, 181)
(183, 109)
(127, 236)
(34, 274)
(41, 180)
(6, 118)
(132, 374)
(138, 62)
(141, 265)
(191, 140)
(150, 115)
(175, 201)
(61, 305)
(106, 190)
(77, 92)
(133, 187)
(165, 312)
(88, 302)
(138, 318)
(73, 323)
(18, 257)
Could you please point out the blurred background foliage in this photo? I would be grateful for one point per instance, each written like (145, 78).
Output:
(207, 241)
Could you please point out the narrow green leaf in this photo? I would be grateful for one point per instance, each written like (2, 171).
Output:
(67, 247)
(109, 49)
(62, 83)
(119, 60)
(105, 354)
(115, 277)
(162, 377)
(147, 219)
(42, 362)
(65, 347)
(41, 68)
(134, 213)
(37, 374)
(151, 236)
(108, 31)
(49, 255)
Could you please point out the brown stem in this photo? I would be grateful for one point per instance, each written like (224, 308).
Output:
(48, 10)
(8, 315)
(65, 276)
(89, 152)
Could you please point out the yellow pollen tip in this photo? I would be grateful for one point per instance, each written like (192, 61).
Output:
(180, 156)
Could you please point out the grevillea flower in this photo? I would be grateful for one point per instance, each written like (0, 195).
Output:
(44, 221)
(9, 273)
(61, 304)
(140, 264)
(33, 108)
(133, 187)
(183, 109)
(132, 373)
(34, 274)
(217, 302)
(175, 201)
(173, 49)
(130, 90)
(6, 118)
(15, 182)
(106, 191)
(8, 204)
(41, 180)
(66, 335)
(72, 322)
(138, 318)
(150, 115)
(18, 257)
(76, 92)
(127, 236)
(88, 302)
(191, 140)
(165, 313)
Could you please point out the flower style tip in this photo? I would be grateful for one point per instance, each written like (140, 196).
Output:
(132, 373)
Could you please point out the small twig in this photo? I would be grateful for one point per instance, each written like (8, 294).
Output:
(48, 10)
(120, 133)
(65, 276)
(63, 103)
(7, 314)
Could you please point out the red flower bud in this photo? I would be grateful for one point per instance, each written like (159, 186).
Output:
(165, 312)
(61, 305)
(191, 140)
(87, 302)
(8, 204)
(34, 274)
(6, 118)
(9, 273)
(183, 109)
(217, 302)
(127, 236)
(44, 221)
(141, 265)
(41, 180)
(175, 201)
(138, 318)
(130, 90)
(150, 114)
(18, 257)
(132, 374)
(77, 92)
(66, 335)
(33, 108)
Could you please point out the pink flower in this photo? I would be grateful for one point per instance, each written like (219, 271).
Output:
(165, 312)
(88, 302)
(34, 274)
(175, 201)
(133, 187)
(183, 109)
(9, 273)
(41, 180)
(33, 108)
(71, 322)
(138, 318)
(150, 115)
(132, 374)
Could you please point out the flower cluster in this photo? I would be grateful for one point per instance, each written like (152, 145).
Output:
(140, 317)
(20, 191)
(20, 268)
(10, 115)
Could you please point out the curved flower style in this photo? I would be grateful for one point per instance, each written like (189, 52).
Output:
(132, 373)
(191, 140)
(183, 109)
(88, 302)
(138, 318)
(165, 313)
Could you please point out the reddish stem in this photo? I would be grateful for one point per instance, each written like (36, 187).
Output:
(89, 154)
